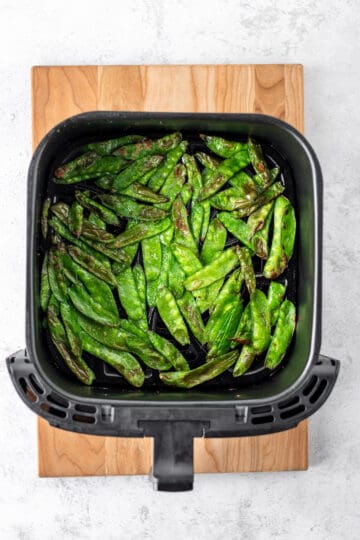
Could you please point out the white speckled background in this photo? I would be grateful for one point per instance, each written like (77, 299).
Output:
(322, 503)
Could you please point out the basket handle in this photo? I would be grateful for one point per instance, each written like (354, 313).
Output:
(173, 468)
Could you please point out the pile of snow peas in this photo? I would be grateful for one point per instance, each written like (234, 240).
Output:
(149, 226)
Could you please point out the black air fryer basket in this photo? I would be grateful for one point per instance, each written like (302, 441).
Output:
(258, 403)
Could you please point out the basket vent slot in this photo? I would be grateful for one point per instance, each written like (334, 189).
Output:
(53, 410)
(310, 385)
(35, 384)
(261, 410)
(83, 419)
(262, 419)
(28, 392)
(58, 400)
(289, 402)
(85, 408)
(107, 414)
(292, 412)
(319, 391)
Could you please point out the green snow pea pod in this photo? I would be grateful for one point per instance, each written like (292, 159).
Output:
(75, 218)
(79, 163)
(110, 336)
(139, 232)
(260, 317)
(243, 332)
(135, 171)
(206, 297)
(201, 374)
(151, 254)
(261, 238)
(228, 199)
(282, 336)
(45, 290)
(105, 182)
(143, 193)
(167, 349)
(176, 277)
(283, 239)
(154, 287)
(167, 236)
(56, 276)
(99, 291)
(196, 220)
(237, 227)
(207, 161)
(44, 216)
(183, 233)
(58, 336)
(147, 353)
(257, 219)
(223, 147)
(258, 162)
(223, 173)
(164, 169)
(259, 180)
(94, 266)
(140, 280)
(206, 219)
(92, 232)
(192, 315)
(149, 147)
(187, 259)
(73, 337)
(193, 175)
(186, 194)
(275, 296)
(214, 241)
(64, 232)
(100, 166)
(104, 213)
(129, 297)
(104, 148)
(217, 269)
(247, 188)
(128, 208)
(244, 362)
(221, 341)
(115, 254)
(172, 186)
(89, 307)
(247, 268)
(132, 328)
(266, 196)
(171, 316)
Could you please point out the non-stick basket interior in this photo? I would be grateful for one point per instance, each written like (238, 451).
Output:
(299, 276)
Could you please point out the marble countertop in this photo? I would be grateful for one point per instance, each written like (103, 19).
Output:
(322, 503)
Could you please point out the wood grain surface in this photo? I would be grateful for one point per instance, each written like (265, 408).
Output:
(59, 92)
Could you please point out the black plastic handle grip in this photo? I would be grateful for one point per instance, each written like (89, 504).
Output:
(173, 468)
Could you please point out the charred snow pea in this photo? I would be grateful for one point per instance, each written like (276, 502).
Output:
(243, 332)
(247, 268)
(56, 276)
(97, 221)
(92, 232)
(173, 185)
(259, 163)
(245, 185)
(261, 238)
(205, 220)
(139, 232)
(221, 175)
(261, 324)
(257, 219)
(223, 147)
(128, 208)
(167, 349)
(45, 290)
(135, 171)
(143, 193)
(183, 234)
(244, 362)
(129, 296)
(99, 166)
(283, 240)
(92, 265)
(171, 316)
(164, 169)
(44, 217)
(283, 334)
(81, 162)
(207, 161)
(75, 218)
(72, 335)
(276, 293)
(211, 369)
(58, 336)
(187, 259)
(176, 277)
(266, 196)
(237, 227)
(149, 147)
(104, 148)
(104, 213)
(224, 263)
(192, 315)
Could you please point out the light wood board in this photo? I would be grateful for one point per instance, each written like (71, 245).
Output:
(59, 92)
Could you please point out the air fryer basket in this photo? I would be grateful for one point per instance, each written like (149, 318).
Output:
(260, 402)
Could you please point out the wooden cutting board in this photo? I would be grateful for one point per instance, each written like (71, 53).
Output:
(59, 92)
